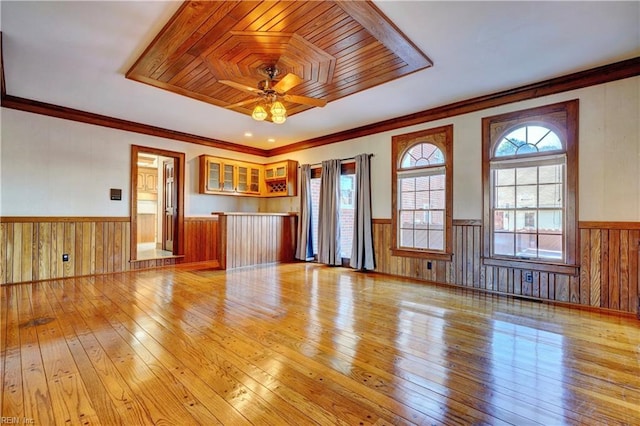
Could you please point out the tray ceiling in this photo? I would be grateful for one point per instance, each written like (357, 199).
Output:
(336, 48)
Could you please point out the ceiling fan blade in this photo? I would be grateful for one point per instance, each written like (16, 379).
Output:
(305, 100)
(240, 86)
(287, 83)
(242, 103)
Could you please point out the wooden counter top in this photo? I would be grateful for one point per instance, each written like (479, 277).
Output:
(253, 214)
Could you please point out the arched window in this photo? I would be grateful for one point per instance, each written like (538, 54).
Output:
(530, 186)
(422, 192)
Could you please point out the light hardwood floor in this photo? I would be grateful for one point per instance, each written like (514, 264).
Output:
(301, 344)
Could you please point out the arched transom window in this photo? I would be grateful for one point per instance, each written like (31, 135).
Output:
(533, 139)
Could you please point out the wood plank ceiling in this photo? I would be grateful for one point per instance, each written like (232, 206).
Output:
(336, 48)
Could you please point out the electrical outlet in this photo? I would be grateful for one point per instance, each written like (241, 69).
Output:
(528, 276)
(65, 257)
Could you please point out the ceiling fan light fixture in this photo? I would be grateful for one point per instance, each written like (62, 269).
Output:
(277, 109)
(259, 113)
(279, 119)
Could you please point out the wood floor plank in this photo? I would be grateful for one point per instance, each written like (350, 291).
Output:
(37, 397)
(225, 365)
(12, 390)
(308, 344)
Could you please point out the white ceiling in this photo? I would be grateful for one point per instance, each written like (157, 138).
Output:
(75, 54)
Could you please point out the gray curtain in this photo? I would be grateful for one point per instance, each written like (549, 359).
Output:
(362, 256)
(304, 251)
(329, 216)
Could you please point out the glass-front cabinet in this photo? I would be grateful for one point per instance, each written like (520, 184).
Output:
(225, 176)
(248, 179)
(218, 175)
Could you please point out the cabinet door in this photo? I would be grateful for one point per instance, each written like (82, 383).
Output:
(213, 176)
(248, 179)
(243, 179)
(227, 178)
(254, 181)
(151, 182)
(281, 171)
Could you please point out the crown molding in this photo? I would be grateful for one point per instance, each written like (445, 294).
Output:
(604, 74)
(594, 76)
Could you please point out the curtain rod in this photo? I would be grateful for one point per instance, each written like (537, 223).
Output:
(341, 160)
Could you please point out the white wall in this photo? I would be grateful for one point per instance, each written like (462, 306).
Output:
(609, 154)
(53, 167)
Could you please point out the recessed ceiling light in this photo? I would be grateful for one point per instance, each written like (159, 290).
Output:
(248, 134)
(271, 140)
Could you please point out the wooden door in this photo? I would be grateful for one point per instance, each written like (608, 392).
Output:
(170, 204)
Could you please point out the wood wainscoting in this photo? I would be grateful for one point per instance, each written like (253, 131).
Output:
(608, 278)
(31, 248)
(201, 239)
(256, 238)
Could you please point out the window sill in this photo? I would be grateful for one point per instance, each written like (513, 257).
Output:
(558, 268)
(432, 255)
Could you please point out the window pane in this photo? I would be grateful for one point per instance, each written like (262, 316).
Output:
(422, 183)
(550, 174)
(315, 211)
(437, 199)
(505, 148)
(550, 246)
(347, 210)
(526, 196)
(406, 219)
(505, 177)
(503, 244)
(550, 195)
(536, 133)
(551, 142)
(436, 219)
(406, 238)
(436, 240)
(505, 197)
(422, 200)
(526, 221)
(437, 181)
(526, 149)
(503, 220)
(421, 239)
(421, 220)
(526, 245)
(407, 184)
(518, 136)
(527, 175)
(550, 220)
(407, 200)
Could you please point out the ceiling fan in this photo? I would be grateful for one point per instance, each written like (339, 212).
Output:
(269, 92)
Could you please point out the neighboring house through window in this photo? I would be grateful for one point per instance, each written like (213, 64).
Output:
(422, 193)
(530, 185)
(347, 207)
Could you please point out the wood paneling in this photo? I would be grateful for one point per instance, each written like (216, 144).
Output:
(608, 277)
(32, 247)
(610, 265)
(254, 239)
(201, 239)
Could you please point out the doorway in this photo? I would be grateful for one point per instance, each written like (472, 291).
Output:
(157, 200)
